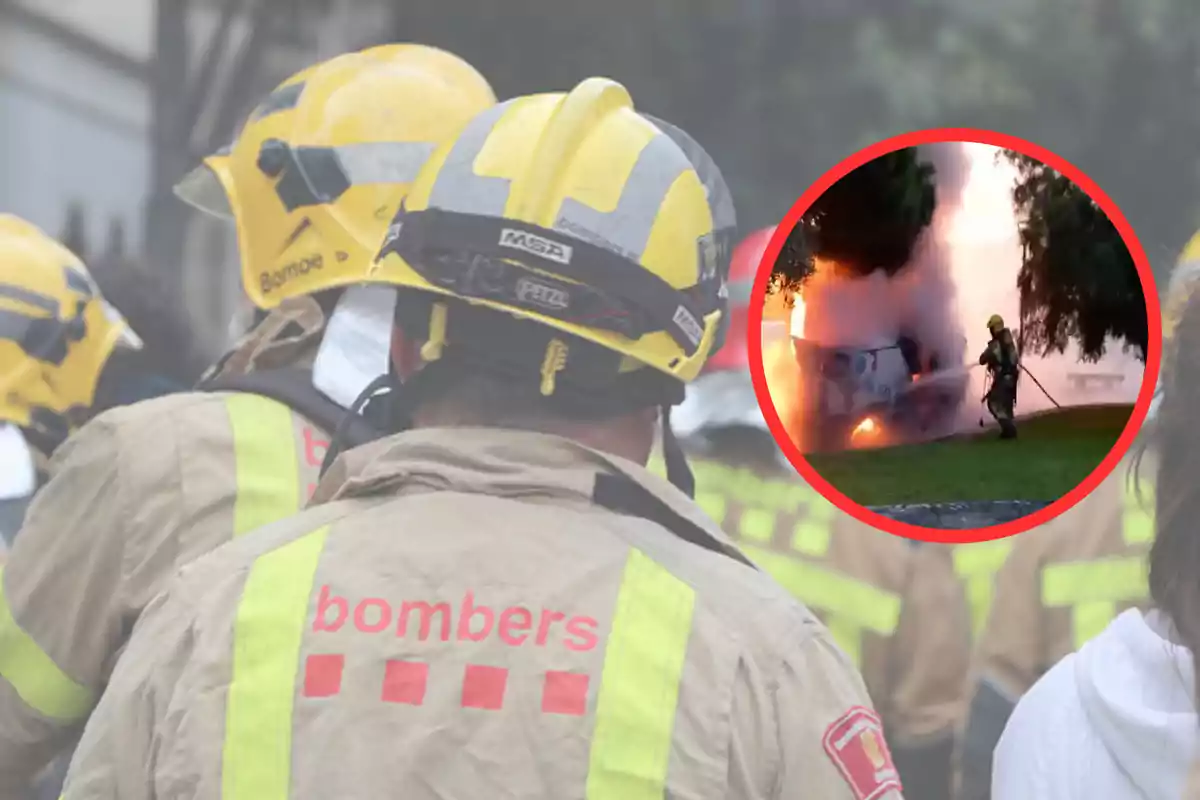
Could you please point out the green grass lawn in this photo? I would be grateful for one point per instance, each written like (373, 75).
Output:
(1055, 451)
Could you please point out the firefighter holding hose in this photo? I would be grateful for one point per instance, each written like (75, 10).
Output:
(1003, 364)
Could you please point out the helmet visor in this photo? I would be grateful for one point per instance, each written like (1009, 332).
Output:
(128, 338)
(203, 190)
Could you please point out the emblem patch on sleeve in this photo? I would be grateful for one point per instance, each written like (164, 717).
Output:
(856, 746)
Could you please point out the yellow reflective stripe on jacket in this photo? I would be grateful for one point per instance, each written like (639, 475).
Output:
(267, 469)
(34, 676)
(713, 504)
(849, 607)
(852, 607)
(1093, 590)
(639, 688)
(976, 564)
(756, 525)
(267, 636)
(813, 533)
(750, 489)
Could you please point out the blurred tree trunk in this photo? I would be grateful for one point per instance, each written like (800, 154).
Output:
(166, 218)
(186, 94)
(74, 234)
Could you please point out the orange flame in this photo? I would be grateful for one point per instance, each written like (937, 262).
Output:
(868, 427)
(783, 382)
(796, 323)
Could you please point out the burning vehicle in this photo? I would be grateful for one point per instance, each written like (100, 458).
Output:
(875, 396)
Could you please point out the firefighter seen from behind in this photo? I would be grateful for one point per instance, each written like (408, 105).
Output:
(1003, 364)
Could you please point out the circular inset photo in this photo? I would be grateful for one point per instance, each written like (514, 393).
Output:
(958, 336)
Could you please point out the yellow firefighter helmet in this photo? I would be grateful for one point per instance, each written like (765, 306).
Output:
(317, 172)
(56, 331)
(575, 212)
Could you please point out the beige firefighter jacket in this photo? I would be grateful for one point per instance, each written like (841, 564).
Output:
(465, 613)
(1060, 585)
(1064, 581)
(133, 495)
(895, 606)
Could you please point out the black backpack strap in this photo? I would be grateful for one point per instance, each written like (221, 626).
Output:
(623, 495)
(293, 388)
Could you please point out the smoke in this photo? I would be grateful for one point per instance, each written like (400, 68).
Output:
(920, 301)
(953, 165)
(927, 289)
(849, 311)
(963, 269)
(985, 257)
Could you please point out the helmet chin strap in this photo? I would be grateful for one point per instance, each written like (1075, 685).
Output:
(678, 472)
(399, 396)
(385, 386)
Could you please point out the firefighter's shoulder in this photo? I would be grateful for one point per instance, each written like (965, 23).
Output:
(726, 575)
(884, 558)
(166, 436)
(155, 441)
(147, 416)
(137, 435)
(782, 522)
(1114, 516)
(182, 461)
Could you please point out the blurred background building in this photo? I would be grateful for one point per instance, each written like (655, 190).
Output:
(104, 104)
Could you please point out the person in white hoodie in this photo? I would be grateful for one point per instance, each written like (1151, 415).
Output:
(1118, 719)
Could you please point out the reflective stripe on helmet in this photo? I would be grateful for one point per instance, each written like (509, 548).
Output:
(627, 226)
(639, 688)
(46, 336)
(32, 673)
(284, 98)
(624, 229)
(457, 185)
(267, 470)
(268, 631)
(22, 296)
(311, 176)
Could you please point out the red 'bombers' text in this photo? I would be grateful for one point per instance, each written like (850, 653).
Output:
(515, 625)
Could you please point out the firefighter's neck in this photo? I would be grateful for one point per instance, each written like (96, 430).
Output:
(630, 436)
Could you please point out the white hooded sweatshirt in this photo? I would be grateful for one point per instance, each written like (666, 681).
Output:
(18, 481)
(1115, 721)
(18, 475)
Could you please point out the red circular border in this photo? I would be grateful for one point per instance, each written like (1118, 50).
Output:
(1140, 409)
